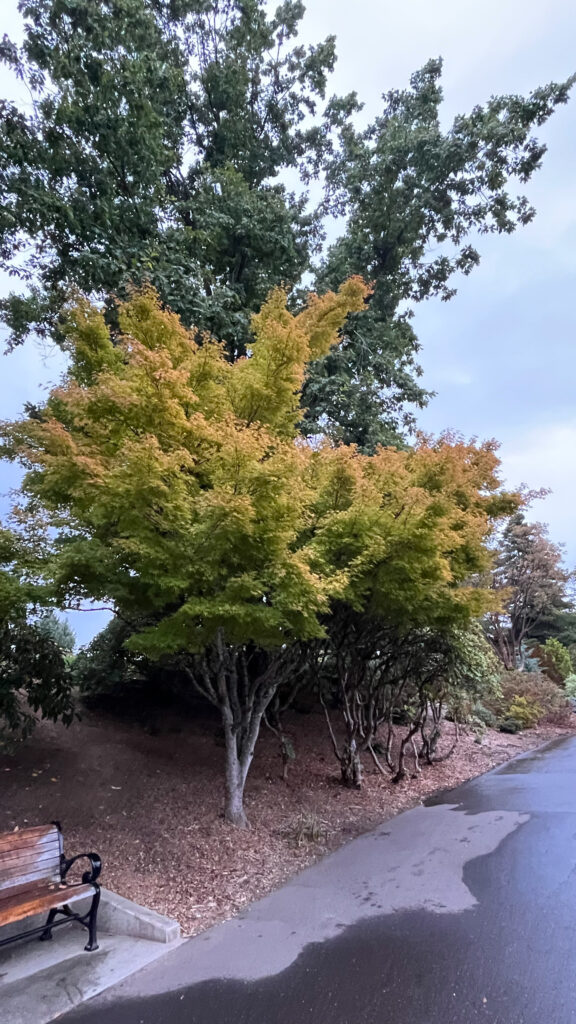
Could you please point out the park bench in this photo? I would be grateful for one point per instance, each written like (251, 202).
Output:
(33, 880)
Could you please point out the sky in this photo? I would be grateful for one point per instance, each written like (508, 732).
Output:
(501, 356)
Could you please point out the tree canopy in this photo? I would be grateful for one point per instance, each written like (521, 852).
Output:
(175, 486)
(532, 580)
(157, 149)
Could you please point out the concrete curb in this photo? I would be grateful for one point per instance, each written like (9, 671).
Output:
(120, 916)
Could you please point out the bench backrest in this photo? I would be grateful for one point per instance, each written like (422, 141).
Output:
(30, 856)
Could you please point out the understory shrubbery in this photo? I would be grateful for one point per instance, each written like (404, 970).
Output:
(570, 687)
(527, 699)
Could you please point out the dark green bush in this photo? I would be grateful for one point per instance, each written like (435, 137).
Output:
(485, 715)
(511, 725)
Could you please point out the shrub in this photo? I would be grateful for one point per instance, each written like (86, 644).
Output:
(540, 693)
(564, 717)
(485, 715)
(570, 686)
(557, 660)
(526, 711)
(510, 725)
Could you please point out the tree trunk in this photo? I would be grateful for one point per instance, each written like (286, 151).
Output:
(223, 675)
(401, 773)
(236, 773)
(351, 766)
(234, 811)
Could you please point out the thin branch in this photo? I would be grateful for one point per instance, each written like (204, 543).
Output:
(374, 757)
(330, 729)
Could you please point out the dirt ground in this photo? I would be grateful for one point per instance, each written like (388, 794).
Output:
(151, 805)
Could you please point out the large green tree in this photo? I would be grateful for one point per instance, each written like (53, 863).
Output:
(175, 487)
(416, 196)
(532, 581)
(412, 540)
(157, 147)
(153, 148)
(177, 491)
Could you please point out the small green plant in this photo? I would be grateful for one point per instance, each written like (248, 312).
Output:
(557, 660)
(487, 717)
(524, 710)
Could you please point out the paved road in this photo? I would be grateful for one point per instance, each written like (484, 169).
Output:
(460, 911)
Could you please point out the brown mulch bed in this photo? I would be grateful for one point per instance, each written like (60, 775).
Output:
(151, 805)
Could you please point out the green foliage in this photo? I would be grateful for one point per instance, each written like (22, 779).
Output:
(152, 152)
(414, 193)
(557, 622)
(179, 490)
(524, 710)
(528, 697)
(558, 662)
(570, 686)
(106, 668)
(173, 484)
(470, 672)
(532, 583)
(511, 725)
(57, 630)
(484, 715)
(173, 476)
(34, 678)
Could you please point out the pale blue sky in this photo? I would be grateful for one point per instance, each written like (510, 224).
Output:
(501, 355)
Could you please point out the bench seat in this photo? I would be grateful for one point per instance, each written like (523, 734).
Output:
(24, 901)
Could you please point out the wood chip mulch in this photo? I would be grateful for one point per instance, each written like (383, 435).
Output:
(151, 805)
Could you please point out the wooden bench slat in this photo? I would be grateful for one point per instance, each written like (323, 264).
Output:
(21, 858)
(30, 873)
(21, 840)
(22, 843)
(24, 888)
(26, 836)
(30, 830)
(37, 901)
(29, 839)
(58, 890)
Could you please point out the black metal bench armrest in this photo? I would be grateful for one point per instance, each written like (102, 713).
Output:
(88, 876)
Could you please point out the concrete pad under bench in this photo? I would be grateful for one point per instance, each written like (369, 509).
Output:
(39, 981)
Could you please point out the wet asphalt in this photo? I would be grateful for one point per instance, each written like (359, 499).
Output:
(468, 914)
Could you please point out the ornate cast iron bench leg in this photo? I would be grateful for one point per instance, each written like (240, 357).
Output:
(92, 914)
